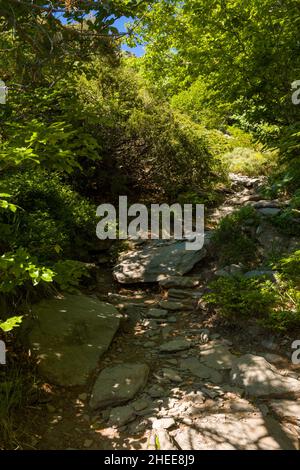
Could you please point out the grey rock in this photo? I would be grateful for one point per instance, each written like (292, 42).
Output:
(173, 362)
(135, 310)
(261, 272)
(179, 282)
(70, 335)
(222, 273)
(228, 271)
(171, 375)
(259, 378)
(182, 294)
(274, 358)
(163, 423)
(175, 305)
(119, 384)
(140, 404)
(286, 409)
(172, 319)
(138, 427)
(262, 204)
(271, 239)
(236, 431)
(200, 370)
(155, 260)
(216, 355)
(269, 343)
(175, 345)
(121, 415)
(269, 211)
(156, 391)
(157, 313)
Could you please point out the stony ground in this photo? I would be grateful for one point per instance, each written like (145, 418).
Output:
(175, 377)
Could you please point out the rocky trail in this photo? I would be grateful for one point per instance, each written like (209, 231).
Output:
(152, 368)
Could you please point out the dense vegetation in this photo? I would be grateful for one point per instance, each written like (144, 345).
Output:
(85, 122)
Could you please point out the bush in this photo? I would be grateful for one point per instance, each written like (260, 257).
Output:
(68, 274)
(52, 217)
(248, 161)
(148, 149)
(232, 238)
(288, 221)
(239, 297)
(19, 267)
(289, 266)
(18, 271)
(283, 320)
(274, 305)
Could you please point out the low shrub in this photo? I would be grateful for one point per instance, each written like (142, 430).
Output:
(53, 220)
(248, 161)
(238, 297)
(232, 238)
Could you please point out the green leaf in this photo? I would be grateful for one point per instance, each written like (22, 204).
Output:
(11, 323)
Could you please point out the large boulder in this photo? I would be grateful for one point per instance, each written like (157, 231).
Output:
(288, 410)
(271, 239)
(69, 335)
(259, 378)
(216, 355)
(156, 260)
(118, 384)
(235, 431)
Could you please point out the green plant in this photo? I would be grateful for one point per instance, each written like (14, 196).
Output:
(295, 201)
(232, 238)
(240, 297)
(288, 221)
(273, 305)
(248, 161)
(282, 320)
(289, 266)
(19, 267)
(10, 324)
(17, 388)
(53, 218)
(5, 204)
(19, 270)
(68, 274)
(55, 145)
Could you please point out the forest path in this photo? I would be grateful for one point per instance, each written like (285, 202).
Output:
(210, 385)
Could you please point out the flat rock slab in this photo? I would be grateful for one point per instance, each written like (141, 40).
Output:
(259, 378)
(234, 432)
(157, 313)
(266, 204)
(155, 260)
(70, 335)
(185, 293)
(216, 355)
(269, 211)
(200, 370)
(179, 282)
(174, 306)
(261, 272)
(119, 384)
(286, 409)
(175, 346)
